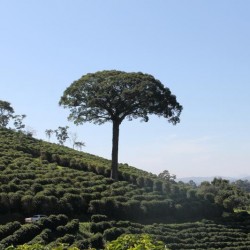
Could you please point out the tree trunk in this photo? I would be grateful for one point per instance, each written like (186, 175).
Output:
(115, 142)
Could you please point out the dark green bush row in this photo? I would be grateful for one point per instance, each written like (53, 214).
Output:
(24, 234)
(8, 229)
(200, 235)
(44, 231)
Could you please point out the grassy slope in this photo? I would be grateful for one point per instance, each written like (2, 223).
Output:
(40, 177)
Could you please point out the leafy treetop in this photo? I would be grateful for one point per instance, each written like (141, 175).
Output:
(115, 95)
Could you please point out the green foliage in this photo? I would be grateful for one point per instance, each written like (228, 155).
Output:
(18, 122)
(135, 242)
(71, 227)
(110, 95)
(9, 228)
(41, 247)
(165, 175)
(226, 195)
(243, 184)
(61, 134)
(6, 113)
(98, 218)
(233, 231)
(112, 233)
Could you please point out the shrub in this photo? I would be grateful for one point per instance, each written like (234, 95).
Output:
(157, 209)
(42, 238)
(134, 242)
(9, 229)
(67, 238)
(100, 227)
(96, 241)
(71, 227)
(112, 233)
(98, 218)
(53, 221)
(22, 235)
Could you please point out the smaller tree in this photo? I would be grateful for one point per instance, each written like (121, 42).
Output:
(79, 145)
(49, 133)
(165, 175)
(18, 121)
(62, 134)
(6, 113)
(243, 185)
(192, 184)
(75, 143)
(73, 139)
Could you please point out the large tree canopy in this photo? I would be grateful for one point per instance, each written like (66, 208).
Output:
(115, 95)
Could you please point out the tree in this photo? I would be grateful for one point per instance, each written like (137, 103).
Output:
(18, 122)
(73, 139)
(165, 175)
(112, 96)
(79, 145)
(49, 133)
(243, 185)
(62, 134)
(75, 142)
(6, 113)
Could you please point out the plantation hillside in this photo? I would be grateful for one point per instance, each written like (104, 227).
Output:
(84, 207)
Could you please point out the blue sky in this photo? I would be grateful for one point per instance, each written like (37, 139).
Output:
(199, 49)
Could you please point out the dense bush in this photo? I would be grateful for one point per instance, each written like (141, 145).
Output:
(71, 227)
(8, 229)
(135, 242)
(21, 236)
(98, 218)
(113, 233)
(43, 238)
(100, 226)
